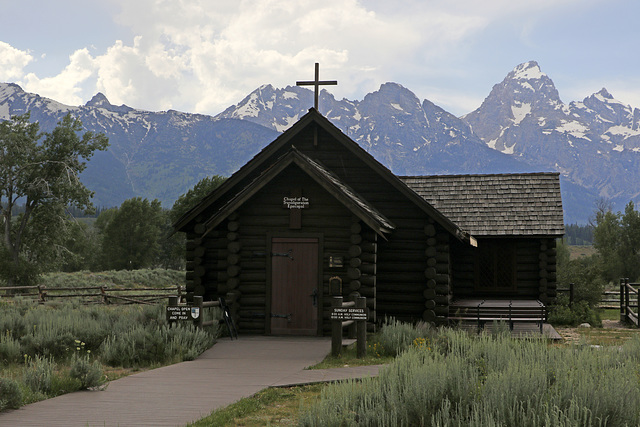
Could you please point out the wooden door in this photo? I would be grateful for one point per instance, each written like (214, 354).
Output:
(294, 286)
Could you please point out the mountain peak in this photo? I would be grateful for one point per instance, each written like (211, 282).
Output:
(527, 71)
(98, 100)
(604, 93)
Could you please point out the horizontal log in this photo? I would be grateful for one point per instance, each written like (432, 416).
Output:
(234, 247)
(394, 279)
(252, 300)
(368, 280)
(400, 308)
(368, 257)
(355, 228)
(368, 292)
(443, 299)
(354, 273)
(401, 288)
(431, 251)
(368, 268)
(355, 251)
(430, 304)
(252, 288)
(429, 294)
(354, 285)
(252, 276)
(409, 298)
(430, 230)
(430, 273)
(233, 225)
(199, 228)
(355, 262)
(429, 315)
(233, 270)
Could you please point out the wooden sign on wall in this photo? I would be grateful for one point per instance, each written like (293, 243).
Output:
(295, 202)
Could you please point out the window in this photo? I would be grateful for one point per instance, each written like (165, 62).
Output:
(495, 265)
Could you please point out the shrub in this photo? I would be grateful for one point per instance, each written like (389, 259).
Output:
(160, 344)
(9, 348)
(90, 374)
(396, 336)
(39, 373)
(10, 394)
(490, 380)
(579, 312)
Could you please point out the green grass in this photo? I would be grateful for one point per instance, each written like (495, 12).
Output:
(610, 314)
(272, 406)
(348, 358)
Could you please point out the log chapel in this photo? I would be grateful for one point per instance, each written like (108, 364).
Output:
(313, 215)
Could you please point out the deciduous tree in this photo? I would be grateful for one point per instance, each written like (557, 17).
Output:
(41, 171)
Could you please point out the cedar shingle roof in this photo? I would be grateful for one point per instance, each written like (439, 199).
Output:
(527, 204)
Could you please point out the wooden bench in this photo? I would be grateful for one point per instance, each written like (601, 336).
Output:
(482, 311)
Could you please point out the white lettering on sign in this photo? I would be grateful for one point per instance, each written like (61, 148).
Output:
(295, 202)
(182, 313)
(338, 313)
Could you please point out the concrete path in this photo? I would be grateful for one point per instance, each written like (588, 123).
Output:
(178, 394)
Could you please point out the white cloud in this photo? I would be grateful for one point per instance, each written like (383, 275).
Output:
(12, 62)
(66, 86)
(203, 55)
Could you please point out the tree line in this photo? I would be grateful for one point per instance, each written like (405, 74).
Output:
(44, 209)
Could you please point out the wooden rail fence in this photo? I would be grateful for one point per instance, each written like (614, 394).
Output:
(93, 294)
(609, 299)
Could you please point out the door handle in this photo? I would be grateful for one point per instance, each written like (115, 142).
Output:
(314, 295)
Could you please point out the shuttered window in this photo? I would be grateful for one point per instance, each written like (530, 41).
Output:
(496, 265)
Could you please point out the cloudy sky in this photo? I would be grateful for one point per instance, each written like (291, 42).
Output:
(204, 55)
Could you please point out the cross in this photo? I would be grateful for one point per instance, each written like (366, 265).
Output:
(317, 82)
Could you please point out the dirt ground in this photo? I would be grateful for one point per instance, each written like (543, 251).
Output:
(612, 328)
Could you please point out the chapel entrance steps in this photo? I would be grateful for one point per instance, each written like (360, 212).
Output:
(520, 317)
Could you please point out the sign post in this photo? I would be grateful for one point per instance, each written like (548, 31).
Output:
(344, 314)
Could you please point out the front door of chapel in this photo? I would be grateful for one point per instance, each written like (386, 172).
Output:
(294, 286)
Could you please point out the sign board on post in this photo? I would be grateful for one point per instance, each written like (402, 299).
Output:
(182, 312)
(344, 314)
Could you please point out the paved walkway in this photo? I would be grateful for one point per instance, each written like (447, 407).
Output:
(178, 394)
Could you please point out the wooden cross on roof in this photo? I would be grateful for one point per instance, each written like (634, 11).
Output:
(317, 82)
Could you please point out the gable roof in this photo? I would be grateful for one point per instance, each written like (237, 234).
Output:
(527, 204)
(338, 189)
(314, 118)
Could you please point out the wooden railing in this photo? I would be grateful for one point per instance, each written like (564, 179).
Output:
(93, 294)
(629, 301)
(353, 315)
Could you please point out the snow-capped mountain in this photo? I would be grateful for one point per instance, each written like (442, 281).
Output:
(407, 136)
(595, 143)
(151, 154)
(521, 126)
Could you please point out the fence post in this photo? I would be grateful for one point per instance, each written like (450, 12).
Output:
(41, 294)
(336, 329)
(361, 330)
(197, 302)
(627, 300)
(623, 312)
